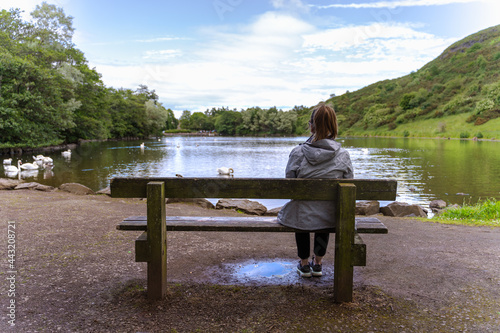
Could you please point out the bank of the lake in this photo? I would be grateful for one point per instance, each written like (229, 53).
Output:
(453, 127)
(456, 171)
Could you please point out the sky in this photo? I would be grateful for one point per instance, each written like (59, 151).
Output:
(199, 54)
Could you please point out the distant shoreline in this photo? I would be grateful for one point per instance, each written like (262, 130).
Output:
(29, 150)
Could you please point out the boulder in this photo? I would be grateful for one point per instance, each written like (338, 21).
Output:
(367, 207)
(26, 186)
(273, 212)
(204, 203)
(438, 204)
(106, 190)
(45, 188)
(402, 209)
(244, 205)
(8, 184)
(76, 188)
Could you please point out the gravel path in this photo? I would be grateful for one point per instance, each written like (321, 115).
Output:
(76, 273)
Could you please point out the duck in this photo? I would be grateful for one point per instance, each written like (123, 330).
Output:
(66, 153)
(28, 166)
(12, 168)
(7, 161)
(225, 171)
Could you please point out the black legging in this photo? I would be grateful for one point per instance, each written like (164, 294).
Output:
(303, 240)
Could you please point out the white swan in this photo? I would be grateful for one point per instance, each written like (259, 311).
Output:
(12, 168)
(28, 166)
(225, 171)
(66, 153)
(48, 161)
(7, 161)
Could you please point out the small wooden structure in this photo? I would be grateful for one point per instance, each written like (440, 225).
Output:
(151, 246)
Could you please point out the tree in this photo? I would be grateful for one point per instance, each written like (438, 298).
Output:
(171, 122)
(198, 121)
(52, 26)
(227, 122)
(185, 120)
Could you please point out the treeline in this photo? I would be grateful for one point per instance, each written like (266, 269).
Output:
(251, 121)
(49, 95)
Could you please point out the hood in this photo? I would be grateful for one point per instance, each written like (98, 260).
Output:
(320, 151)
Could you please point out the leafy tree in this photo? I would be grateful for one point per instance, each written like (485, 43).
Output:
(227, 122)
(171, 122)
(199, 121)
(185, 120)
(52, 26)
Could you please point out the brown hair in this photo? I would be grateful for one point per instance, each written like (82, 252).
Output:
(323, 122)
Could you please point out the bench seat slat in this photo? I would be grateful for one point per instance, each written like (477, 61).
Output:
(369, 225)
(254, 188)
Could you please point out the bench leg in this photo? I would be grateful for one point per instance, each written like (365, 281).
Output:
(344, 239)
(157, 241)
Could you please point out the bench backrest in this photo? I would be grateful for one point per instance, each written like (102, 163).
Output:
(254, 188)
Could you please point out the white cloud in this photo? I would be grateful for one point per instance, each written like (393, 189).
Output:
(279, 60)
(162, 54)
(398, 3)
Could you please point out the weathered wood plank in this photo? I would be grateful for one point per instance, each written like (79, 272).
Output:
(358, 251)
(142, 251)
(364, 225)
(254, 188)
(157, 241)
(344, 239)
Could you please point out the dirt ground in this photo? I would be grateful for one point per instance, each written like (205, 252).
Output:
(76, 273)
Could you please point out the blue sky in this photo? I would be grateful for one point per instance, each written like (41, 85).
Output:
(200, 54)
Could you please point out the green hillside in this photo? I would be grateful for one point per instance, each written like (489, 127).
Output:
(455, 95)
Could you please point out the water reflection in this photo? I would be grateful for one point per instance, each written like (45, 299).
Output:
(425, 169)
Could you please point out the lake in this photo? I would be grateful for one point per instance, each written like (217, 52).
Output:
(456, 171)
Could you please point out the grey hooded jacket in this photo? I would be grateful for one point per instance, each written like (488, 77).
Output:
(321, 159)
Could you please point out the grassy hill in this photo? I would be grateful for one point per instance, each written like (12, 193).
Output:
(455, 95)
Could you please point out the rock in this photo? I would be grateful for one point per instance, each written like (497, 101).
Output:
(76, 188)
(26, 186)
(8, 184)
(45, 188)
(401, 209)
(204, 203)
(438, 204)
(106, 190)
(367, 207)
(245, 205)
(273, 212)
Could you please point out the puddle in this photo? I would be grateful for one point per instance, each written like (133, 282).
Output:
(266, 269)
(270, 272)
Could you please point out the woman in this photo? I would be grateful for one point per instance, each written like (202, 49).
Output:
(319, 157)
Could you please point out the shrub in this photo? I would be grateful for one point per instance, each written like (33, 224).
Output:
(392, 126)
(484, 105)
(474, 48)
(464, 135)
(479, 135)
(405, 102)
(406, 133)
(480, 121)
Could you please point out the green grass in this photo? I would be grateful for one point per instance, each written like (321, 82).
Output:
(448, 127)
(484, 213)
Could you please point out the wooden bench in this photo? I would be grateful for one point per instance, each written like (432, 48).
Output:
(151, 246)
